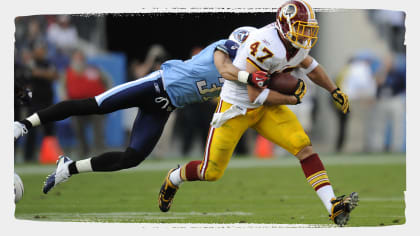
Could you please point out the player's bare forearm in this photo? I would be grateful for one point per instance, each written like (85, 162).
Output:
(320, 77)
(276, 98)
(273, 98)
(225, 67)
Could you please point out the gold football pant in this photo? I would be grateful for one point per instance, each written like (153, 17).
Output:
(276, 123)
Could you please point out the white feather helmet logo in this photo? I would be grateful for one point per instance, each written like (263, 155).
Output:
(290, 11)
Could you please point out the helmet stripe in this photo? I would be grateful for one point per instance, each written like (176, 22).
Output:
(310, 10)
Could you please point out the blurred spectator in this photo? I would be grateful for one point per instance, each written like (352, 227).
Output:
(23, 94)
(387, 116)
(63, 39)
(60, 38)
(32, 33)
(81, 81)
(41, 80)
(389, 113)
(359, 79)
(20, 31)
(63, 34)
(391, 28)
(28, 30)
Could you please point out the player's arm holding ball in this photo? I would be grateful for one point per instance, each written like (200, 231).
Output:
(268, 96)
(273, 97)
(319, 76)
(260, 58)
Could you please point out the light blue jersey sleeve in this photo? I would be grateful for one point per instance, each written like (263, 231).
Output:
(194, 80)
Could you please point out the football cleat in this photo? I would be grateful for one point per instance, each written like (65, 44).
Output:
(61, 174)
(20, 130)
(167, 193)
(341, 208)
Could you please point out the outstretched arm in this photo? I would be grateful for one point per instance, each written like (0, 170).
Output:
(224, 65)
(318, 75)
(228, 71)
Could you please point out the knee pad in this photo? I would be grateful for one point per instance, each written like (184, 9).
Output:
(132, 158)
(299, 140)
(213, 174)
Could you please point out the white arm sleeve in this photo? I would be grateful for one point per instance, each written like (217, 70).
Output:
(262, 97)
(311, 67)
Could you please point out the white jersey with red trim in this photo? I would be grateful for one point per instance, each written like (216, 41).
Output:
(265, 50)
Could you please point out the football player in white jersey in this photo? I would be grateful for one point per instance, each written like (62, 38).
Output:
(281, 46)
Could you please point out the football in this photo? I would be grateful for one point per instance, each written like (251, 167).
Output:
(283, 83)
(18, 188)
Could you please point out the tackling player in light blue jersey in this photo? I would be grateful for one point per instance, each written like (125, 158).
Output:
(177, 84)
(194, 80)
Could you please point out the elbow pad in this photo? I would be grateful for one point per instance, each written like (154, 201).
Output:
(229, 47)
(262, 97)
(311, 67)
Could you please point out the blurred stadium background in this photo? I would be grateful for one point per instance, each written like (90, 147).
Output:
(126, 47)
(362, 50)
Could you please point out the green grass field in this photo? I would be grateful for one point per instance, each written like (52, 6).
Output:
(271, 191)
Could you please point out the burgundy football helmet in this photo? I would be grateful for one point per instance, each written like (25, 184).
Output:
(296, 22)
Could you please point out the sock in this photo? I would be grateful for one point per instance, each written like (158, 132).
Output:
(73, 169)
(80, 166)
(175, 177)
(84, 165)
(317, 177)
(34, 119)
(326, 193)
(26, 123)
(31, 121)
(189, 172)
